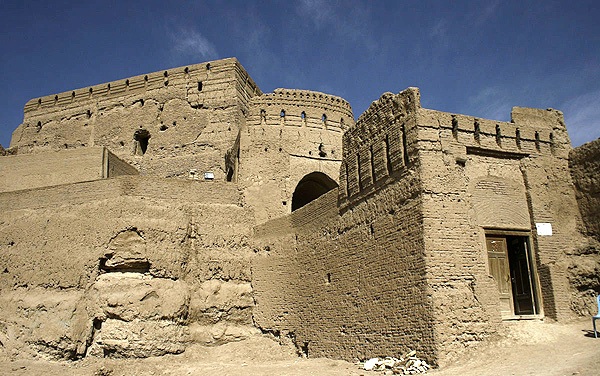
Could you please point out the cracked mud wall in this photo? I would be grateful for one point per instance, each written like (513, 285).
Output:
(189, 117)
(584, 273)
(124, 267)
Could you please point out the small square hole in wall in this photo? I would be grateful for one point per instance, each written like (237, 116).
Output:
(284, 203)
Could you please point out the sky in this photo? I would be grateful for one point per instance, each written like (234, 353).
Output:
(478, 58)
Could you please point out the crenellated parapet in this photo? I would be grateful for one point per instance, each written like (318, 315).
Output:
(380, 145)
(389, 136)
(531, 131)
(301, 108)
(191, 77)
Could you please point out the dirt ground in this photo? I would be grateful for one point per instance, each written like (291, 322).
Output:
(522, 348)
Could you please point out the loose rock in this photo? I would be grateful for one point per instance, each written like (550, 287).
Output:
(409, 364)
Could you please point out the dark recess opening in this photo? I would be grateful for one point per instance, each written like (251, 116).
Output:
(511, 264)
(141, 136)
(311, 187)
(521, 275)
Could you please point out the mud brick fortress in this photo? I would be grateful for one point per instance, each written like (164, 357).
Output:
(186, 206)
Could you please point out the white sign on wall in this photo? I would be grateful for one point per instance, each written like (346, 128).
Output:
(544, 229)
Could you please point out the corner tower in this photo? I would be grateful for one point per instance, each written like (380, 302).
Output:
(290, 150)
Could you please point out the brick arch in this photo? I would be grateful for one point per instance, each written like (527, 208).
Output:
(499, 202)
(310, 187)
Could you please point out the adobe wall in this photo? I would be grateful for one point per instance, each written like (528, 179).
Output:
(584, 269)
(29, 171)
(192, 115)
(353, 281)
(584, 163)
(289, 134)
(130, 267)
(482, 175)
(419, 190)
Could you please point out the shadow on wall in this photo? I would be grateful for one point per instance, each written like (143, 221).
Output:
(547, 292)
(310, 187)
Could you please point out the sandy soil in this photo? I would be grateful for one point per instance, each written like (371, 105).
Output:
(522, 348)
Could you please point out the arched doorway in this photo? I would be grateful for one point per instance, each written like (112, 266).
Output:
(310, 187)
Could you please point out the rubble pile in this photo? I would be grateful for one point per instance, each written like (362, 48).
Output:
(408, 364)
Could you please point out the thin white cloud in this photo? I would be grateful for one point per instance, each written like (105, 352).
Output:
(483, 14)
(439, 30)
(491, 103)
(188, 42)
(440, 40)
(582, 116)
(319, 11)
(348, 21)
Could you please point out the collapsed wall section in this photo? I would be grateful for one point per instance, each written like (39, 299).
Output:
(164, 123)
(353, 276)
(289, 134)
(134, 266)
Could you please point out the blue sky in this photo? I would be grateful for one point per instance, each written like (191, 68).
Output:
(473, 57)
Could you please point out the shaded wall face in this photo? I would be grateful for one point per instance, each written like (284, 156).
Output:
(356, 280)
(584, 163)
(163, 123)
(584, 273)
(352, 286)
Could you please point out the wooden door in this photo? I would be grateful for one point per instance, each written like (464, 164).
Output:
(520, 271)
(500, 271)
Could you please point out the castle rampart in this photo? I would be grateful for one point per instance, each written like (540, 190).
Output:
(407, 229)
(438, 187)
(190, 113)
(379, 146)
(189, 76)
(532, 131)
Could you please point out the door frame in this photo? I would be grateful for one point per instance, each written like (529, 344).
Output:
(534, 276)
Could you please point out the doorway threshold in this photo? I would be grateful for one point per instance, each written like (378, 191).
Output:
(522, 317)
